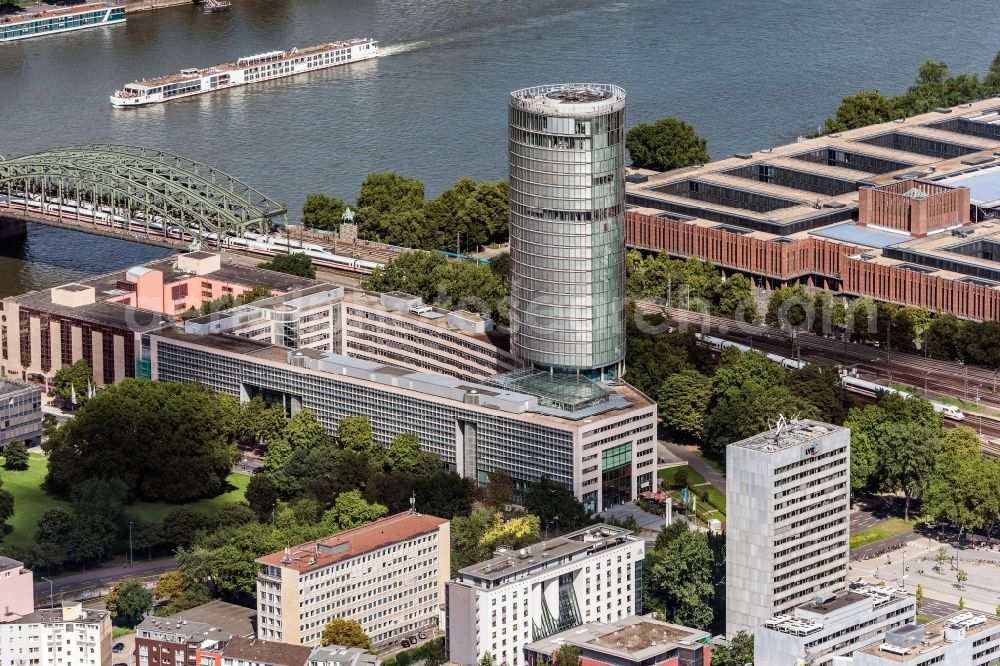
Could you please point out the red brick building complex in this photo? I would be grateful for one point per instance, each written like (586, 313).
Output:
(904, 212)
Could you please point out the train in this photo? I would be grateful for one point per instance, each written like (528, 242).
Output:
(848, 381)
(269, 245)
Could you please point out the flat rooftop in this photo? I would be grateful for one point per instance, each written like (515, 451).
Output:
(785, 436)
(934, 637)
(540, 555)
(55, 615)
(321, 553)
(632, 638)
(834, 604)
(227, 617)
(8, 387)
(813, 183)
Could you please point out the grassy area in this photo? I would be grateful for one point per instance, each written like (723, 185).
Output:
(924, 619)
(31, 501)
(118, 632)
(669, 476)
(884, 530)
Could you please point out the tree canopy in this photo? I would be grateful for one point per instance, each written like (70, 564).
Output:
(296, 263)
(323, 212)
(668, 143)
(555, 505)
(73, 382)
(176, 438)
(678, 576)
(346, 633)
(130, 601)
(15, 456)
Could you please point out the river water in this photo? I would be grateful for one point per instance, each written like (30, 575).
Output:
(747, 75)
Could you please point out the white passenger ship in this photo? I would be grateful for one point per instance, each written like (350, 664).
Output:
(252, 69)
(61, 19)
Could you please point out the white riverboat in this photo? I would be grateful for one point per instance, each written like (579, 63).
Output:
(61, 19)
(251, 69)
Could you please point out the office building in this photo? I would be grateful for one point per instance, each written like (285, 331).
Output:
(506, 603)
(900, 212)
(632, 641)
(833, 625)
(598, 440)
(69, 634)
(197, 635)
(103, 320)
(389, 576)
(567, 227)
(787, 537)
(965, 639)
(20, 413)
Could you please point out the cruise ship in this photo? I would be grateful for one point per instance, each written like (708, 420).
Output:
(251, 69)
(62, 19)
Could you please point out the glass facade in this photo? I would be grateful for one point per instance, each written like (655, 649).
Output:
(616, 475)
(567, 226)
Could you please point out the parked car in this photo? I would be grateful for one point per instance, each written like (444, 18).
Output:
(422, 635)
(405, 643)
(118, 647)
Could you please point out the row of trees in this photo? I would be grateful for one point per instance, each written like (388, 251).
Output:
(935, 86)
(901, 328)
(902, 446)
(717, 400)
(682, 576)
(392, 209)
(455, 285)
(690, 283)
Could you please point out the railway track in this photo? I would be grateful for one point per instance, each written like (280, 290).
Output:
(929, 377)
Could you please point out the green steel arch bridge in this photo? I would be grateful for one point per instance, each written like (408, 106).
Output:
(134, 189)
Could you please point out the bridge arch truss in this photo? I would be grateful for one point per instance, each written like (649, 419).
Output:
(124, 181)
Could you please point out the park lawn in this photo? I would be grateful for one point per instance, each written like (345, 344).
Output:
(157, 511)
(30, 500)
(884, 530)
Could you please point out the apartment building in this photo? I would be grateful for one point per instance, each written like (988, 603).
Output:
(20, 413)
(787, 540)
(502, 605)
(70, 634)
(389, 576)
(965, 639)
(833, 626)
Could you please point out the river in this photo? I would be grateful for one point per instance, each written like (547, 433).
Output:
(747, 75)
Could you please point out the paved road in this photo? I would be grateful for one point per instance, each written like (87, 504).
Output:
(692, 456)
(108, 574)
(937, 609)
(862, 520)
(890, 543)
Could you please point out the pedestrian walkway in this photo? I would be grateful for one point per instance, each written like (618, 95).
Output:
(692, 456)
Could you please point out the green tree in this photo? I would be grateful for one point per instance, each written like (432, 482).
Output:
(500, 489)
(351, 510)
(487, 660)
(15, 456)
(680, 576)
(820, 385)
(6, 508)
(908, 455)
(669, 143)
(961, 576)
(737, 651)
(555, 505)
(355, 434)
(130, 601)
(177, 439)
(403, 453)
(409, 272)
(259, 423)
(991, 84)
(297, 263)
(322, 212)
(262, 495)
(55, 527)
(961, 603)
(736, 299)
(920, 596)
(183, 525)
(567, 655)
(980, 344)
(469, 286)
(74, 380)
(866, 107)
(346, 633)
(473, 536)
(960, 491)
(501, 266)
(742, 413)
(683, 401)
(790, 307)
(389, 192)
(944, 334)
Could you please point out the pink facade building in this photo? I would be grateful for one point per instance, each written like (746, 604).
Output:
(17, 590)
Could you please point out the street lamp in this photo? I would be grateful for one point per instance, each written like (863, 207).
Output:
(51, 595)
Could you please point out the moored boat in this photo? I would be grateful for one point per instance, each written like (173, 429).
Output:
(62, 19)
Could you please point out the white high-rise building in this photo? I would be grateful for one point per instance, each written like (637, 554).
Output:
(788, 524)
(501, 605)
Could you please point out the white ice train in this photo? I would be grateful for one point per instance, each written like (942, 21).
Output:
(719, 344)
(874, 390)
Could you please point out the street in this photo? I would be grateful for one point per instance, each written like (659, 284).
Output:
(105, 576)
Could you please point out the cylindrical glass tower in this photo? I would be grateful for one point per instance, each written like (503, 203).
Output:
(567, 227)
